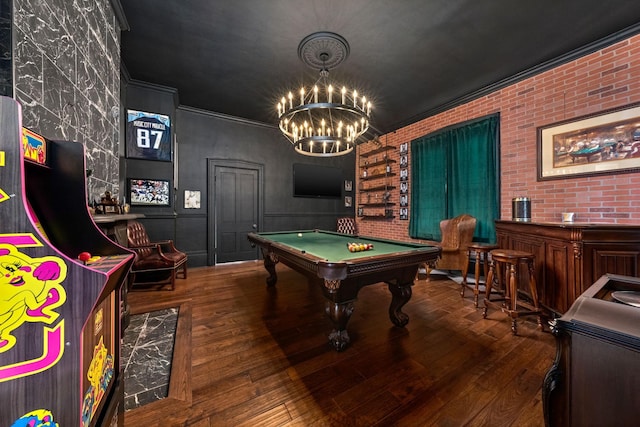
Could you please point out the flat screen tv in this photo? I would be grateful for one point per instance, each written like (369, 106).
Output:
(149, 192)
(317, 181)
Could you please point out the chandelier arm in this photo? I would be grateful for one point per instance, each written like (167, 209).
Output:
(311, 119)
(329, 110)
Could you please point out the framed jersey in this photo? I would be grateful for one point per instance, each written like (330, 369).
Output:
(148, 136)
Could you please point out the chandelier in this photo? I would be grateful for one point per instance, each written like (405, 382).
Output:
(323, 120)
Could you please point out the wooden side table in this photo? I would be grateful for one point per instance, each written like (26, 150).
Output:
(481, 251)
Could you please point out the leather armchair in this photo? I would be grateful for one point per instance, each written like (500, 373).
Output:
(457, 234)
(156, 263)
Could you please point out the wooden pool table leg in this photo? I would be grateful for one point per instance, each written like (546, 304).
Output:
(400, 295)
(339, 313)
(270, 261)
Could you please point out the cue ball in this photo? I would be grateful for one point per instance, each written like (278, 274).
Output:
(299, 234)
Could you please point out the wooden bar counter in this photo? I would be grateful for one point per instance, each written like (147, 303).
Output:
(571, 256)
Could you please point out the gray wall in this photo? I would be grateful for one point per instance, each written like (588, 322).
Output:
(159, 221)
(202, 136)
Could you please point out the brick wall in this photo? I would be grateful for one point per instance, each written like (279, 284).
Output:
(599, 81)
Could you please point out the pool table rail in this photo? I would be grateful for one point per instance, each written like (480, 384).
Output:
(340, 270)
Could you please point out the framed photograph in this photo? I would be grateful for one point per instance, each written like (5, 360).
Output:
(148, 136)
(404, 187)
(110, 209)
(602, 143)
(404, 200)
(348, 185)
(404, 148)
(149, 192)
(404, 161)
(191, 199)
(360, 211)
(404, 175)
(347, 201)
(404, 214)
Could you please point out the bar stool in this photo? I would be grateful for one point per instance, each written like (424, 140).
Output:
(505, 262)
(481, 251)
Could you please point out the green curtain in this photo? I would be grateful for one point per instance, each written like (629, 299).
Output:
(456, 171)
(428, 185)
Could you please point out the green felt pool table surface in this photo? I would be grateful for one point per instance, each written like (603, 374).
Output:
(333, 247)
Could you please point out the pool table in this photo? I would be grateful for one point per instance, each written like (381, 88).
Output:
(324, 258)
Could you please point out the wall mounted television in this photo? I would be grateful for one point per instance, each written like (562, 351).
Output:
(316, 181)
(149, 192)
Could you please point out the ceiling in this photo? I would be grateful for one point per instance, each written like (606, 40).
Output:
(411, 58)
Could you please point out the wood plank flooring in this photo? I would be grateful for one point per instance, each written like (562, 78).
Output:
(248, 355)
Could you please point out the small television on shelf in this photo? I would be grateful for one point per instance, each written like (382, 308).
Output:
(149, 192)
(317, 181)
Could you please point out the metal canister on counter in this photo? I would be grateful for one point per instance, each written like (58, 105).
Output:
(521, 209)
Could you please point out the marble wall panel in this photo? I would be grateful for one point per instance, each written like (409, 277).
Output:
(57, 94)
(67, 67)
(34, 115)
(28, 74)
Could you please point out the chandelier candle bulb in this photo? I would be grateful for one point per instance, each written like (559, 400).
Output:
(315, 94)
(330, 91)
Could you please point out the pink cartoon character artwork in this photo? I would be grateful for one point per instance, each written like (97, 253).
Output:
(30, 291)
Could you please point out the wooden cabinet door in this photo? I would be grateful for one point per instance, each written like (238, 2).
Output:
(561, 273)
(614, 258)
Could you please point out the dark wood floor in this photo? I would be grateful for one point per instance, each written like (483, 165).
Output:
(253, 356)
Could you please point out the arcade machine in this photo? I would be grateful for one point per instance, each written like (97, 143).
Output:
(60, 288)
